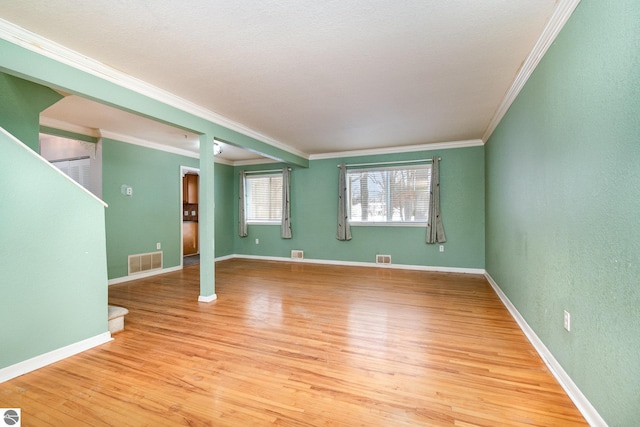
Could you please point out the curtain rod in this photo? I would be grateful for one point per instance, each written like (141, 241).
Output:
(265, 171)
(390, 163)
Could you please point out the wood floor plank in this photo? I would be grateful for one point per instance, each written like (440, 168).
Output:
(295, 344)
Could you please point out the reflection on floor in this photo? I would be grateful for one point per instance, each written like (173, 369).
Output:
(297, 344)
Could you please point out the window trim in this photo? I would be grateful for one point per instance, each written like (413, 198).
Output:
(254, 175)
(387, 224)
(379, 168)
(263, 222)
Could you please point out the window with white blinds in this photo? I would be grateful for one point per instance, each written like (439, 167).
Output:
(77, 169)
(389, 195)
(264, 198)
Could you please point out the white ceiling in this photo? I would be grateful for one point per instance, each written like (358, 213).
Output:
(316, 76)
(89, 117)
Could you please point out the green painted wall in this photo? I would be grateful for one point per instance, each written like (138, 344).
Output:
(20, 108)
(135, 224)
(152, 214)
(563, 180)
(224, 198)
(314, 209)
(53, 276)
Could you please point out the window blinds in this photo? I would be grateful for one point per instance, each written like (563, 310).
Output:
(264, 198)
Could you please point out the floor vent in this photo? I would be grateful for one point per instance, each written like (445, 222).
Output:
(383, 259)
(297, 254)
(141, 263)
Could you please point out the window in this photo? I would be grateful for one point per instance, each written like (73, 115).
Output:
(264, 198)
(77, 169)
(80, 160)
(389, 195)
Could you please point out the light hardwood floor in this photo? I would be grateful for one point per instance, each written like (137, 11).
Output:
(301, 344)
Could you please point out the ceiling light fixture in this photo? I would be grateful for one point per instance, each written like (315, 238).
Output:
(217, 149)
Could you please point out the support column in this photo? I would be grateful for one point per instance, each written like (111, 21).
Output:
(206, 220)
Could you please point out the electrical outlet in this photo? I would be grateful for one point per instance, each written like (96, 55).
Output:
(441, 248)
(158, 245)
(257, 241)
(126, 190)
(567, 321)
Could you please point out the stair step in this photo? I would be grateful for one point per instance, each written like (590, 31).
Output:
(116, 318)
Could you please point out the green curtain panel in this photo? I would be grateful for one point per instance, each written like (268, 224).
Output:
(285, 227)
(435, 228)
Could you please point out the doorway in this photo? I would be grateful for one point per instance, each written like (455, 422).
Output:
(189, 215)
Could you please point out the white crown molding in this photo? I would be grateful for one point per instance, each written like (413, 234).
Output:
(68, 127)
(402, 149)
(45, 359)
(558, 19)
(254, 162)
(222, 161)
(148, 144)
(580, 400)
(50, 49)
(101, 133)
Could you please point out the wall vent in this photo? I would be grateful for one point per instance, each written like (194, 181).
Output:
(383, 259)
(295, 254)
(141, 263)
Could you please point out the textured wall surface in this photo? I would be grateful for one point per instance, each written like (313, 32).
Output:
(152, 214)
(20, 108)
(563, 196)
(53, 279)
(135, 224)
(53, 276)
(314, 209)
(226, 225)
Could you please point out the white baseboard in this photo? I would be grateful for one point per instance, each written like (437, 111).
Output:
(143, 275)
(580, 400)
(43, 360)
(125, 279)
(364, 264)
